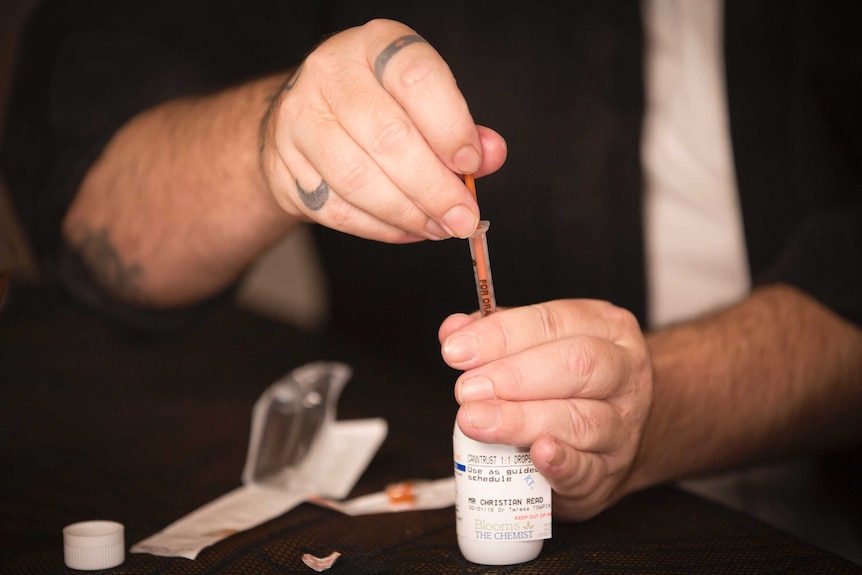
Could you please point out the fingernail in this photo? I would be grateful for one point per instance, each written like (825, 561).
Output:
(435, 231)
(467, 160)
(482, 415)
(476, 389)
(557, 455)
(461, 348)
(460, 221)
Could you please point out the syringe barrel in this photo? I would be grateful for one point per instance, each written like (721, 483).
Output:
(482, 269)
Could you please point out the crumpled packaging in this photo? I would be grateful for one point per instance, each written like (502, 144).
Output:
(297, 452)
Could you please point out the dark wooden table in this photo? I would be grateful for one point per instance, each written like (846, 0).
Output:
(100, 423)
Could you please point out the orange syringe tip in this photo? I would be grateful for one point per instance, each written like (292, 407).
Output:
(470, 183)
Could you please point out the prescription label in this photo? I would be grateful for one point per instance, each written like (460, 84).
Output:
(499, 495)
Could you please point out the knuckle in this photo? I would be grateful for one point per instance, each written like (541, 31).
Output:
(630, 419)
(580, 361)
(583, 423)
(323, 67)
(620, 316)
(407, 216)
(627, 319)
(549, 322)
(339, 213)
(433, 193)
(353, 176)
(417, 72)
(392, 137)
(377, 26)
(321, 59)
(505, 344)
(509, 380)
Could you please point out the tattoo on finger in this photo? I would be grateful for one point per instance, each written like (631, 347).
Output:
(383, 58)
(315, 199)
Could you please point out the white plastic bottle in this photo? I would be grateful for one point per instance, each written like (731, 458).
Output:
(502, 504)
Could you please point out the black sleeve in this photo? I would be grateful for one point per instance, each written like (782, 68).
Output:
(794, 74)
(824, 258)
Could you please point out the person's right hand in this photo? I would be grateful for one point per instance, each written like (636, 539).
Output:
(571, 379)
(369, 135)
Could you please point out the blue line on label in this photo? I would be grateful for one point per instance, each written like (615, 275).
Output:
(460, 466)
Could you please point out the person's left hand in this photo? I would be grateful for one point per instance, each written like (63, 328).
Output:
(370, 135)
(572, 379)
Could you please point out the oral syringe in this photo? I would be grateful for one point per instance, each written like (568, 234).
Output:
(481, 260)
(497, 473)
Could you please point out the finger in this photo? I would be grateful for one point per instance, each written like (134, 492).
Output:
(302, 191)
(316, 152)
(387, 129)
(579, 479)
(586, 425)
(494, 151)
(422, 83)
(581, 366)
(512, 331)
(324, 148)
(583, 479)
(402, 153)
(453, 323)
(337, 117)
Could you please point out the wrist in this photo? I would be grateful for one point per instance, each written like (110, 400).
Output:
(273, 174)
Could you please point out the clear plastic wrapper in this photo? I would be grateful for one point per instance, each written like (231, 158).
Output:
(297, 451)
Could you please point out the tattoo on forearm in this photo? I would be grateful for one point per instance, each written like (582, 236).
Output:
(392, 49)
(316, 199)
(106, 265)
(273, 100)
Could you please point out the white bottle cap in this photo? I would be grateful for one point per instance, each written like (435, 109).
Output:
(93, 545)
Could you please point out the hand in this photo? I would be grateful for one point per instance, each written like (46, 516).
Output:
(571, 379)
(368, 136)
